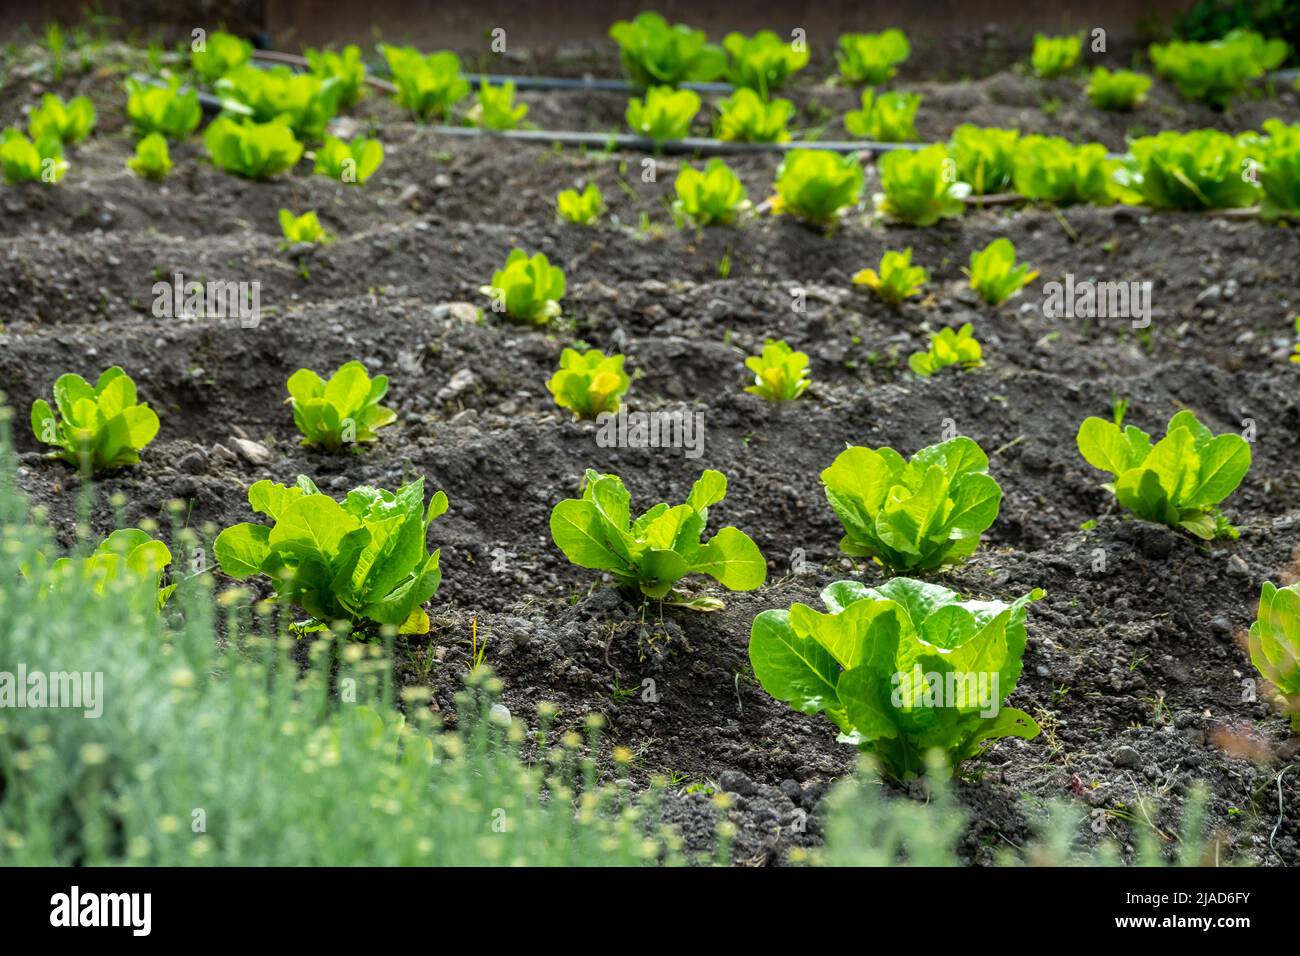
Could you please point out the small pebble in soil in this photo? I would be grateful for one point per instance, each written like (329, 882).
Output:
(1125, 756)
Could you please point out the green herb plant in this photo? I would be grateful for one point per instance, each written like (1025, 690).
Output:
(589, 383)
(920, 187)
(363, 562)
(1121, 91)
(1179, 480)
(352, 163)
(657, 54)
(948, 347)
(764, 61)
(581, 208)
(650, 555)
(817, 186)
(885, 117)
(22, 161)
(663, 114)
(168, 110)
(252, 150)
(994, 274)
(1275, 644)
(303, 230)
(69, 122)
(429, 86)
(1055, 56)
(712, 197)
(780, 373)
(152, 159)
(870, 59)
(342, 411)
(99, 427)
(745, 117)
(901, 669)
(495, 107)
(528, 289)
(896, 279)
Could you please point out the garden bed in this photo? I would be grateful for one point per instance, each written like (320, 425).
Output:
(1136, 670)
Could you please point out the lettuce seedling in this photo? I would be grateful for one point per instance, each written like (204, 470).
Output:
(1179, 481)
(897, 279)
(664, 114)
(22, 161)
(169, 110)
(1053, 170)
(496, 108)
(1055, 56)
(871, 58)
(745, 117)
(654, 53)
(343, 411)
(900, 669)
(1202, 169)
(363, 562)
(1275, 644)
(920, 187)
(69, 122)
(152, 159)
(885, 117)
(249, 149)
(780, 373)
(1120, 91)
(994, 274)
(127, 558)
(651, 554)
(221, 54)
(353, 162)
(589, 383)
(99, 427)
(764, 61)
(818, 186)
(916, 515)
(1217, 71)
(1279, 172)
(714, 197)
(429, 86)
(948, 347)
(304, 102)
(984, 156)
(305, 229)
(527, 289)
(347, 69)
(581, 209)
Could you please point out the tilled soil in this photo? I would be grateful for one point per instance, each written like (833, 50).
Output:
(1135, 666)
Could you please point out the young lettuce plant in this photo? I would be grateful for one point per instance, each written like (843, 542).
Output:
(152, 159)
(22, 161)
(581, 208)
(994, 274)
(252, 150)
(69, 122)
(429, 86)
(363, 562)
(1055, 56)
(714, 197)
(343, 411)
(1275, 644)
(303, 230)
(99, 427)
(916, 515)
(869, 59)
(1179, 481)
(220, 53)
(984, 157)
(167, 110)
(1279, 172)
(496, 109)
(919, 186)
(589, 383)
(302, 101)
(764, 61)
(1202, 169)
(900, 669)
(345, 68)
(654, 53)
(817, 186)
(745, 117)
(780, 373)
(1217, 71)
(353, 162)
(1053, 170)
(651, 554)
(897, 278)
(664, 114)
(885, 117)
(527, 289)
(1119, 92)
(948, 347)
(128, 558)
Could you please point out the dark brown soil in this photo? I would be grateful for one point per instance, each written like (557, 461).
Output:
(1135, 671)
